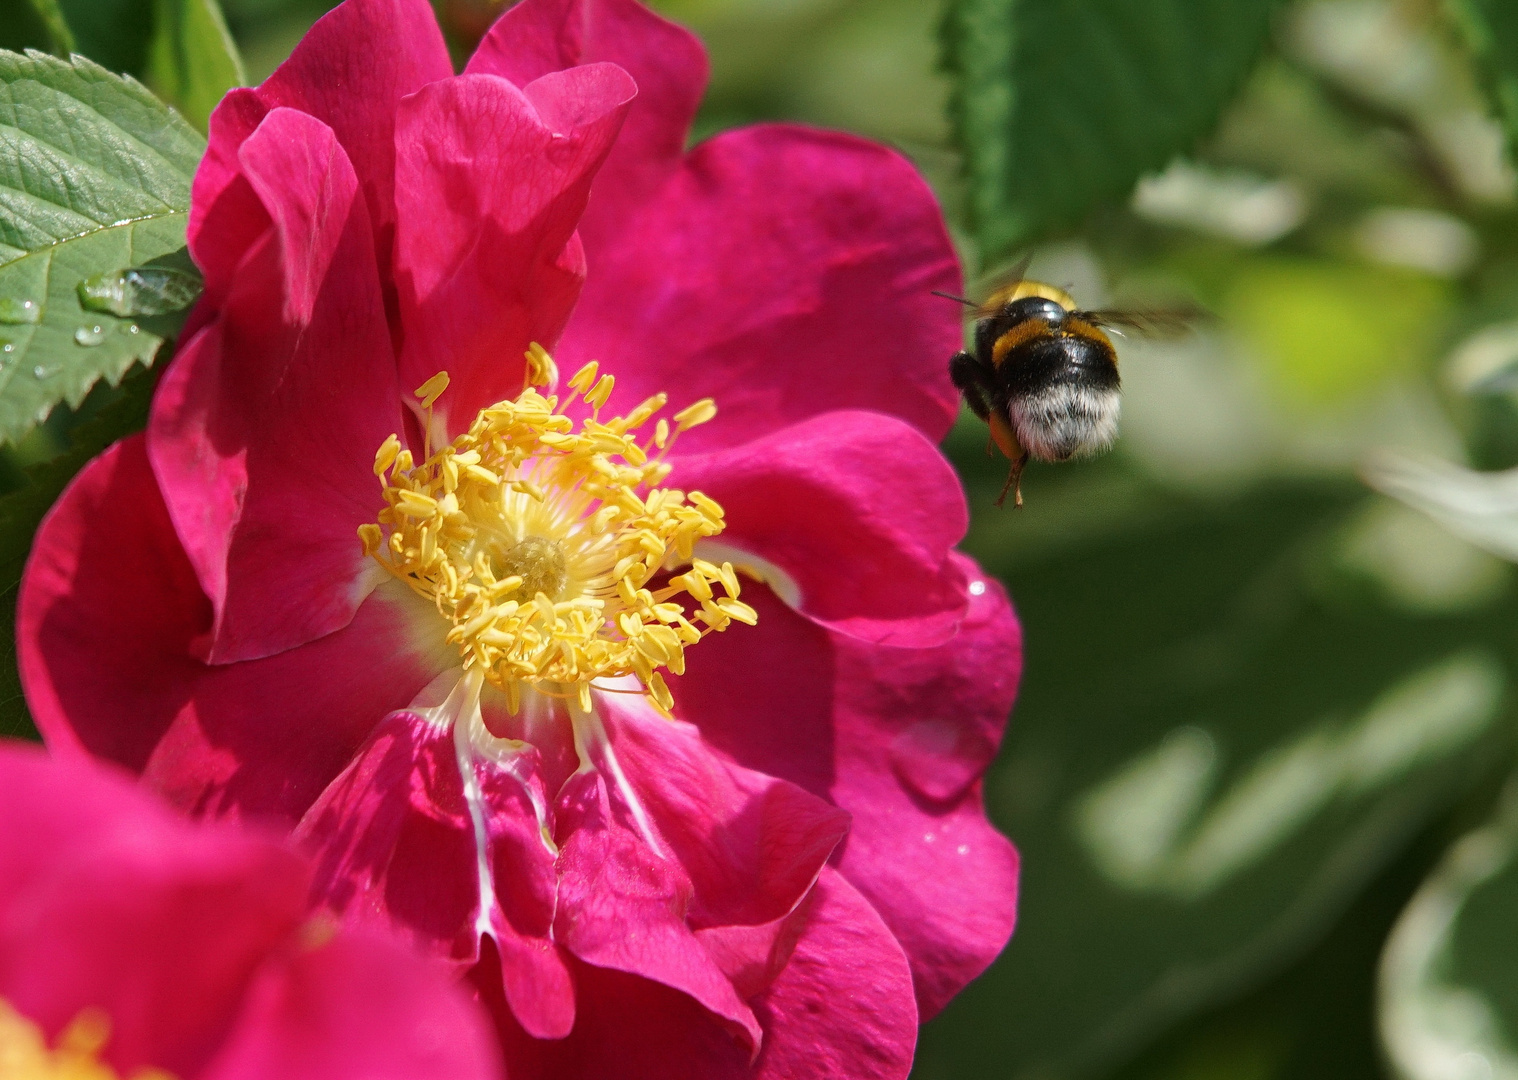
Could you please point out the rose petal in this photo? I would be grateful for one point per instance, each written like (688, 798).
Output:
(68, 805)
(535, 974)
(845, 237)
(858, 510)
(841, 1010)
(622, 905)
(395, 847)
(158, 923)
(941, 876)
(263, 431)
(490, 183)
(751, 845)
(753, 956)
(349, 71)
(359, 1006)
(630, 1029)
(108, 611)
(785, 273)
(392, 840)
(666, 60)
(851, 721)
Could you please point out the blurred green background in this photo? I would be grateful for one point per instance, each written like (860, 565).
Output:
(1258, 768)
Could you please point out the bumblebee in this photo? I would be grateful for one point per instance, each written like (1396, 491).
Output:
(1043, 373)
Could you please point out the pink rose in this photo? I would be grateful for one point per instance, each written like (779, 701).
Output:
(134, 940)
(464, 641)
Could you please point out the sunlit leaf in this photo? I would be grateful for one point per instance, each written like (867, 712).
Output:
(1061, 105)
(1449, 977)
(192, 60)
(94, 178)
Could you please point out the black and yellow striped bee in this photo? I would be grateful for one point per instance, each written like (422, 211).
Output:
(1043, 373)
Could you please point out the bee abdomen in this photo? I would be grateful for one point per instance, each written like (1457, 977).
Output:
(1063, 398)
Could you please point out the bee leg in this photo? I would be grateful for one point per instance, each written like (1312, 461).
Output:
(1014, 481)
(965, 373)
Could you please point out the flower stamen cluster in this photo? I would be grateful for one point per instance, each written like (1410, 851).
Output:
(538, 540)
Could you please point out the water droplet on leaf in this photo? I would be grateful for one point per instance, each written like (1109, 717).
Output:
(104, 292)
(141, 290)
(19, 311)
(89, 335)
(39, 372)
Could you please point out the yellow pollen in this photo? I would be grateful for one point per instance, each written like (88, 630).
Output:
(24, 1053)
(539, 541)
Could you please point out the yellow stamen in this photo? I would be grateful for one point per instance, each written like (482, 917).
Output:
(541, 370)
(584, 377)
(24, 1053)
(539, 541)
(433, 388)
(699, 413)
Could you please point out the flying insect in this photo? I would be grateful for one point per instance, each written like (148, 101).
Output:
(1043, 372)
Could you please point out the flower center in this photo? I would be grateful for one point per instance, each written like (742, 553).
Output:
(540, 563)
(24, 1053)
(539, 541)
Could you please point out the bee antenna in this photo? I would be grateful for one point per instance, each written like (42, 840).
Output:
(956, 299)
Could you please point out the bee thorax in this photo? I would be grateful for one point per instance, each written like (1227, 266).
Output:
(1066, 420)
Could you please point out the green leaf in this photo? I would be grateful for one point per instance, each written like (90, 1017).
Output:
(94, 177)
(192, 60)
(1315, 1020)
(140, 291)
(21, 27)
(1490, 29)
(57, 26)
(22, 510)
(1060, 106)
(113, 33)
(1449, 975)
(1222, 736)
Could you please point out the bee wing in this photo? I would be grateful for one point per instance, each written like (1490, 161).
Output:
(1001, 284)
(1150, 322)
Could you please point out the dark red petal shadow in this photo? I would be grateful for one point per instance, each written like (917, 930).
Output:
(108, 614)
(264, 429)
